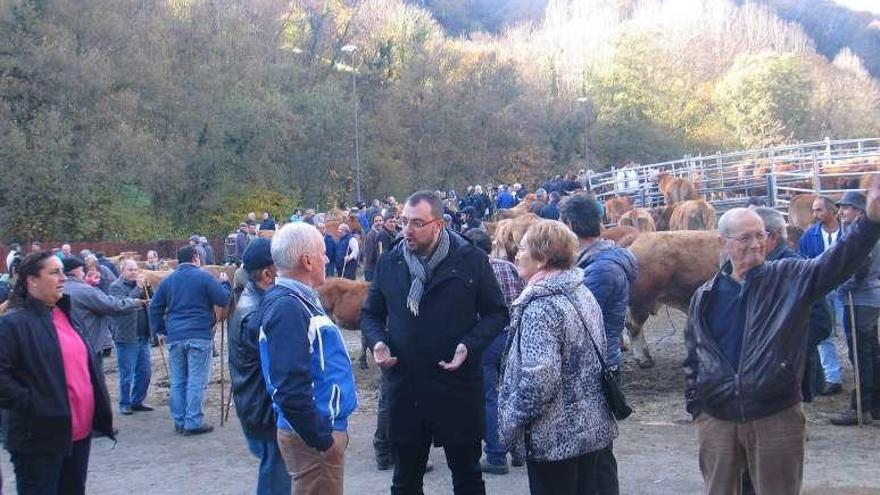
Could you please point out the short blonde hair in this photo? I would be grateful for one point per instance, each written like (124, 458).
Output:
(552, 244)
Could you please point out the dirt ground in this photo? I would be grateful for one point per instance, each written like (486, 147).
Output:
(656, 450)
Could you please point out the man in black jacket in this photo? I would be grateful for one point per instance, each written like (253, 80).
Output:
(253, 406)
(433, 307)
(746, 341)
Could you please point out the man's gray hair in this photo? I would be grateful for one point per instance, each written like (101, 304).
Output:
(773, 221)
(291, 242)
(128, 261)
(731, 215)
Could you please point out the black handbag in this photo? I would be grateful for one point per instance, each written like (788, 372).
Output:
(613, 393)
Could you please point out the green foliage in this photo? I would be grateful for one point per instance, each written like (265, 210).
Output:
(765, 99)
(147, 120)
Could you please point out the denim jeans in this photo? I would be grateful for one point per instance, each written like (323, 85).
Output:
(827, 349)
(133, 359)
(273, 478)
(190, 362)
(491, 364)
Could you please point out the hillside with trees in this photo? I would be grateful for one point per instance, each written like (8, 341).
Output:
(152, 119)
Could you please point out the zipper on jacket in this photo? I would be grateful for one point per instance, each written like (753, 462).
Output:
(737, 381)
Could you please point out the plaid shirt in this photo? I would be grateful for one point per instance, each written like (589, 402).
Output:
(508, 279)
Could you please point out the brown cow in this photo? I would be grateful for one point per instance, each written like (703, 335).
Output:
(332, 226)
(638, 218)
(342, 300)
(508, 233)
(155, 278)
(623, 236)
(695, 214)
(675, 189)
(616, 207)
(520, 209)
(661, 216)
(800, 210)
(672, 265)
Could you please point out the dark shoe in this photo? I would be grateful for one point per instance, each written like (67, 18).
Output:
(178, 429)
(125, 411)
(142, 408)
(493, 468)
(198, 431)
(517, 460)
(850, 418)
(829, 388)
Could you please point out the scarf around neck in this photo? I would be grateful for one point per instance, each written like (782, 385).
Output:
(420, 271)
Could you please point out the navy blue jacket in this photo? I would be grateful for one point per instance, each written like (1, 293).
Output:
(183, 305)
(608, 273)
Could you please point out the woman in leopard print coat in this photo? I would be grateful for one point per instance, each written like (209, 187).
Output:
(551, 402)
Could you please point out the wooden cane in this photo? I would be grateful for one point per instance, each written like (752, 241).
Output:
(222, 371)
(855, 351)
(164, 361)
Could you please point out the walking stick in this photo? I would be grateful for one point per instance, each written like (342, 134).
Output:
(222, 371)
(855, 351)
(148, 291)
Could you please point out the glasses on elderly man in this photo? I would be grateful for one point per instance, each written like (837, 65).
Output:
(415, 222)
(748, 239)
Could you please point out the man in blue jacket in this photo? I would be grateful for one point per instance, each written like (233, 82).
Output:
(817, 239)
(504, 199)
(182, 312)
(306, 365)
(608, 272)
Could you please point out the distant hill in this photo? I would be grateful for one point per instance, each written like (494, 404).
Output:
(832, 26)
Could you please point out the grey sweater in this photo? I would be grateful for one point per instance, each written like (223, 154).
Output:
(864, 285)
(92, 308)
(550, 398)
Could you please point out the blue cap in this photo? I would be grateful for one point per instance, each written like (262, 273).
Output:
(258, 254)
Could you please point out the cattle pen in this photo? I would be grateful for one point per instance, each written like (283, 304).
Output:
(727, 180)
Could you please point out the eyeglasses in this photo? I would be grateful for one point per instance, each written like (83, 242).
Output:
(748, 239)
(415, 222)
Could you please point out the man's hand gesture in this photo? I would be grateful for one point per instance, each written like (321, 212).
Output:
(872, 207)
(457, 360)
(382, 356)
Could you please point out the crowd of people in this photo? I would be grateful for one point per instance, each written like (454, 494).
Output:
(487, 359)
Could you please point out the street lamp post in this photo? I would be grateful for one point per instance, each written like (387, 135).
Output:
(350, 49)
(586, 102)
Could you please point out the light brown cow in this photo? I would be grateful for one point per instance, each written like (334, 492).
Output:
(695, 214)
(623, 236)
(520, 209)
(508, 233)
(675, 189)
(616, 207)
(343, 299)
(155, 278)
(638, 218)
(800, 210)
(661, 216)
(672, 265)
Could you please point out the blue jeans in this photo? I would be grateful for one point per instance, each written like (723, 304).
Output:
(827, 349)
(190, 362)
(491, 363)
(273, 478)
(133, 360)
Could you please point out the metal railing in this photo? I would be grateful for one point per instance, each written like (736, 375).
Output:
(728, 179)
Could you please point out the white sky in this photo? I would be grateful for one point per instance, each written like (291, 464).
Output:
(869, 5)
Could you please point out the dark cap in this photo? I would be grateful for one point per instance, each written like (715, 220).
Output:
(71, 263)
(258, 254)
(854, 199)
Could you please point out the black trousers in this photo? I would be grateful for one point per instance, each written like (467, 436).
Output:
(381, 443)
(463, 460)
(575, 476)
(52, 474)
(868, 351)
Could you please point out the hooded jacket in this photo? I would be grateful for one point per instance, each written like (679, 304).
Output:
(95, 311)
(778, 296)
(551, 396)
(609, 271)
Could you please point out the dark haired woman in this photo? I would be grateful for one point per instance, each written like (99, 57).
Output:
(50, 385)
